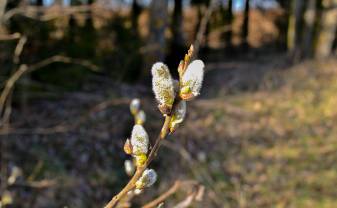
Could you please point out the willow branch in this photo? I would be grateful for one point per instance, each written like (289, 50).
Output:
(132, 183)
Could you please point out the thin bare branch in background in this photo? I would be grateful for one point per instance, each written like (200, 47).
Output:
(203, 26)
(196, 195)
(19, 48)
(176, 186)
(23, 69)
(5, 37)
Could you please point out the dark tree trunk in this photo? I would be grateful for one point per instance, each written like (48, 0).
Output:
(245, 25)
(177, 23)
(228, 24)
(295, 29)
(283, 24)
(177, 43)
(135, 12)
(39, 3)
(157, 42)
(88, 20)
(309, 17)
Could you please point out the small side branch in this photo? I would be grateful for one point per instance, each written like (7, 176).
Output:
(176, 186)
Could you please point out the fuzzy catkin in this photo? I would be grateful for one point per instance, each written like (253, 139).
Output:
(139, 140)
(178, 115)
(135, 106)
(193, 77)
(162, 84)
(148, 178)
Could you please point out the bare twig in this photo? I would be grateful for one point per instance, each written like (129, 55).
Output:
(4, 120)
(203, 26)
(23, 69)
(36, 184)
(19, 48)
(176, 186)
(187, 201)
(5, 37)
(10, 84)
(163, 196)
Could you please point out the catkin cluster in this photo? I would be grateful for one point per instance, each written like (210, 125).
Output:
(169, 91)
(172, 96)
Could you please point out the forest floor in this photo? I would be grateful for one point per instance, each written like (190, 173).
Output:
(260, 135)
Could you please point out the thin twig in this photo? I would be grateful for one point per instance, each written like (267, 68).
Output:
(203, 26)
(176, 186)
(5, 37)
(187, 201)
(19, 48)
(163, 196)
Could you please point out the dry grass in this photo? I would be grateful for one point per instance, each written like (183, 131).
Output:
(275, 147)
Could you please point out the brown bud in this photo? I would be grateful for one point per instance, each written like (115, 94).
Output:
(128, 147)
(187, 97)
(165, 109)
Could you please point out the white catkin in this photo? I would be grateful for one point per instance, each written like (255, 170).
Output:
(180, 111)
(129, 167)
(139, 140)
(178, 115)
(148, 178)
(135, 105)
(162, 84)
(193, 76)
(141, 117)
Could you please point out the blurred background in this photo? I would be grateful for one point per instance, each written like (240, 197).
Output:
(261, 134)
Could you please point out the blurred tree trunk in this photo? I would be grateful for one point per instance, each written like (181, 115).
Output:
(88, 20)
(156, 43)
(317, 25)
(327, 32)
(58, 2)
(177, 23)
(295, 29)
(310, 16)
(245, 25)
(39, 3)
(228, 24)
(205, 46)
(334, 46)
(3, 4)
(177, 43)
(283, 23)
(135, 12)
(72, 22)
